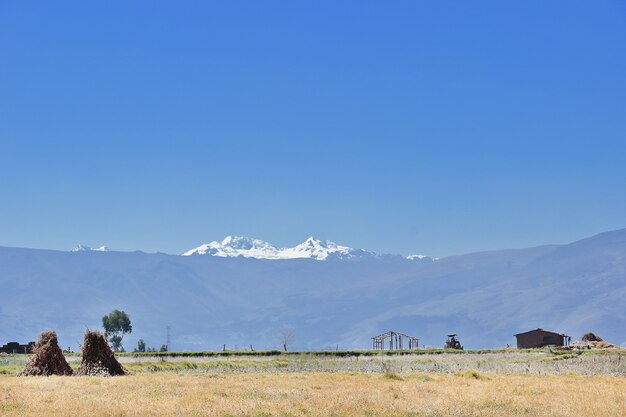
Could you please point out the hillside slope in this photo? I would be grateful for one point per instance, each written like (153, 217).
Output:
(208, 301)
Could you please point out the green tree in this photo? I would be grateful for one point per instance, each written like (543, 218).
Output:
(141, 346)
(116, 324)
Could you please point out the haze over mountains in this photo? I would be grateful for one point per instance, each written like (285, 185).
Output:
(243, 291)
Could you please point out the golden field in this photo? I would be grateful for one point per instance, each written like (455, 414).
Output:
(314, 394)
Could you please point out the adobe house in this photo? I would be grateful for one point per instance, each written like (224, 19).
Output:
(15, 347)
(540, 338)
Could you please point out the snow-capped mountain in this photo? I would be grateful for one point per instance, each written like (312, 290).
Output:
(418, 258)
(83, 248)
(486, 297)
(234, 246)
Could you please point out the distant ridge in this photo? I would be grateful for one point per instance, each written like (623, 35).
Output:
(247, 247)
(485, 297)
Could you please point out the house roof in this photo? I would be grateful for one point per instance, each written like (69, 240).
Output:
(542, 331)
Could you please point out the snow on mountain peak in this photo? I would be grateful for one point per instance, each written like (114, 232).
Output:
(233, 246)
(311, 248)
(319, 249)
(83, 248)
(420, 258)
(245, 243)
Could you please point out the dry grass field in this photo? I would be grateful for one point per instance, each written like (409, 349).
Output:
(314, 394)
(488, 384)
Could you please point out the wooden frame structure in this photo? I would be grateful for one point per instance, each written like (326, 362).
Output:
(394, 341)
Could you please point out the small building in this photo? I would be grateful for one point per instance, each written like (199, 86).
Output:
(394, 341)
(15, 347)
(540, 338)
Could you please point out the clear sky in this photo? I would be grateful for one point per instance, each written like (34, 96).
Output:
(401, 127)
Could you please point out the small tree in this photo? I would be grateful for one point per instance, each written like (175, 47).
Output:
(163, 348)
(141, 346)
(116, 325)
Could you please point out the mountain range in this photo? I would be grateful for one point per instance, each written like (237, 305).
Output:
(243, 291)
(235, 246)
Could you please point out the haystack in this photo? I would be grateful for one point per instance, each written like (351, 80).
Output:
(98, 358)
(590, 337)
(47, 358)
(593, 341)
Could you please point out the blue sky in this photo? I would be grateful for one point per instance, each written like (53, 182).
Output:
(402, 127)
